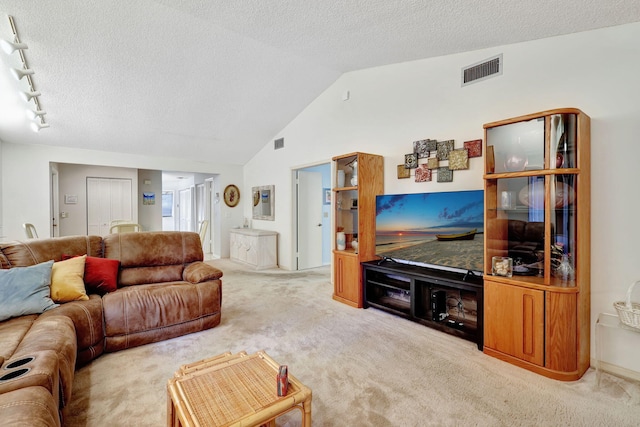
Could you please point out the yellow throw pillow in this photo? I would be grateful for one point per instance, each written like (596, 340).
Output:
(67, 280)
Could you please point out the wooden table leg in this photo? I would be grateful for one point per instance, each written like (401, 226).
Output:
(306, 413)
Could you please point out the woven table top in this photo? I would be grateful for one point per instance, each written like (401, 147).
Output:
(233, 388)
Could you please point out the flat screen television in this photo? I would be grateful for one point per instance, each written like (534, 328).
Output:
(441, 230)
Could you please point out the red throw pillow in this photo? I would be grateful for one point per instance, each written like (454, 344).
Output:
(100, 274)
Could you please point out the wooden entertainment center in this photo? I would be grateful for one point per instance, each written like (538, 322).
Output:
(531, 307)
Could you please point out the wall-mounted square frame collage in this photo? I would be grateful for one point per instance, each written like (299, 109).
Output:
(429, 157)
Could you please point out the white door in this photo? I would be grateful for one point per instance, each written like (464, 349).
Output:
(309, 196)
(108, 199)
(185, 210)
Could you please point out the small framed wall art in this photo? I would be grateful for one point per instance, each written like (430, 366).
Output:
(474, 148)
(231, 195)
(423, 173)
(458, 159)
(403, 172)
(444, 147)
(445, 174)
(411, 161)
(421, 148)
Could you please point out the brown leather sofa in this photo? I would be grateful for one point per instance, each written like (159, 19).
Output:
(164, 291)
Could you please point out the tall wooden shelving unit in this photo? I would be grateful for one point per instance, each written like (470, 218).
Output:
(537, 212)
(354, 213)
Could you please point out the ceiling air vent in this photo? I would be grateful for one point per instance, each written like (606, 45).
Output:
(482, 70)
(278, 144)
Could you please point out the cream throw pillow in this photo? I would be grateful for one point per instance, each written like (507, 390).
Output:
(67, 280)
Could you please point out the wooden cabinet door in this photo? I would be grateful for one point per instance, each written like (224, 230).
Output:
(347, 281)
(514, 321)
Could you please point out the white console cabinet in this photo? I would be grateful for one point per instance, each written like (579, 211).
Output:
(256, 248)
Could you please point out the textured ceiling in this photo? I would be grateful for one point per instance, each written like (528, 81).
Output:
(216, 80)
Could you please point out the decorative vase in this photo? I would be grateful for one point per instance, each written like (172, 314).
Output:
(354, 245)
(565, 270)
(341, 241)
(340, 178)
(517, 160)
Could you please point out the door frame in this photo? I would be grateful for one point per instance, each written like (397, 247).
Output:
(55, 200)
(294, 210)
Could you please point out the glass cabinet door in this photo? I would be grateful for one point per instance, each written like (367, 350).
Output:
(562, 137)
(516, 147)
(346, 202)
(563, 229)
(516, 227)
(347, 213)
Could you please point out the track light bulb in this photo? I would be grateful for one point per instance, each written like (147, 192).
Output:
(35, 114)
(36, 126)
(20, 73)
(28, 96)
(10, 47)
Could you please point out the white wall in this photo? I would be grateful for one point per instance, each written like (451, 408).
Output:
(25, 195)
(391, 106)
(150, 216)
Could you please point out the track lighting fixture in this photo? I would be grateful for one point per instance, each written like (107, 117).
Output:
(10, 47)
(36, 126)
(19, 74)
(31, 94)
(35, 114)
(28, 96)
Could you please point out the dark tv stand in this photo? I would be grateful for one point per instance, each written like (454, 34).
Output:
(448, 301)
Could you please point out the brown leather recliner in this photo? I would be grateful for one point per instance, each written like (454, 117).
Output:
(164, 290)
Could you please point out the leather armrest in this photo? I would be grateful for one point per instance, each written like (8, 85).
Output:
(198, 271)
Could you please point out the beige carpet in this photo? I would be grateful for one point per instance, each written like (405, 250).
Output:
(365, 367)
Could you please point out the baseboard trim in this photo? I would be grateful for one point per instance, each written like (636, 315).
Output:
(617, 370)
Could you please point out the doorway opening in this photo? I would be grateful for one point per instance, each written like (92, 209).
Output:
(312, 204)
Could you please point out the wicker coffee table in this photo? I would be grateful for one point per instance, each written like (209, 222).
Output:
(233, 390)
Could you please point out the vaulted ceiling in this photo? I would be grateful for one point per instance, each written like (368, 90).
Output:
(216, 80)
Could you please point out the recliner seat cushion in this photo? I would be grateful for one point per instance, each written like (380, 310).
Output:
(143, 314)
(12, 332)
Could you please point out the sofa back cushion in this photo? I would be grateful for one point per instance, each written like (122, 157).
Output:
(152, 256)
(32, 252)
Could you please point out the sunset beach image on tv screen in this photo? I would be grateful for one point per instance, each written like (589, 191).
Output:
(440, 229)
